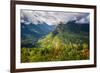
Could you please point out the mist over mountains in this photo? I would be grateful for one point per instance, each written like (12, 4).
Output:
(35, 25)
(52, 17)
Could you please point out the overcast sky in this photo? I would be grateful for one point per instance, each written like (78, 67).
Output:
(51, 17)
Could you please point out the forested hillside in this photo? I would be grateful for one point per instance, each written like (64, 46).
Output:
(66, 41)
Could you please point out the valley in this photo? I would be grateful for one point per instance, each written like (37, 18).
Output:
(63, 42)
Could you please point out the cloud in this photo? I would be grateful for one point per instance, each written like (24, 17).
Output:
(51, 17)
(85, 19)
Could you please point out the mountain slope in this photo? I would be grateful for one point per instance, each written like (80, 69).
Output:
(66, 42)
(70, 32)
(72, 27)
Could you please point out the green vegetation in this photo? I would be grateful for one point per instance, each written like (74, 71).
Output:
(60, 47)
(68, 41)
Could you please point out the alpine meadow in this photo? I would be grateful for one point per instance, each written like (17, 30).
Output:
(54, 36)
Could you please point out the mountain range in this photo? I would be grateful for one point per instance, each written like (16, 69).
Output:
(32, 33)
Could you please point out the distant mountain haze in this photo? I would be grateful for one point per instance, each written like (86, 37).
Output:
(31, 32)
